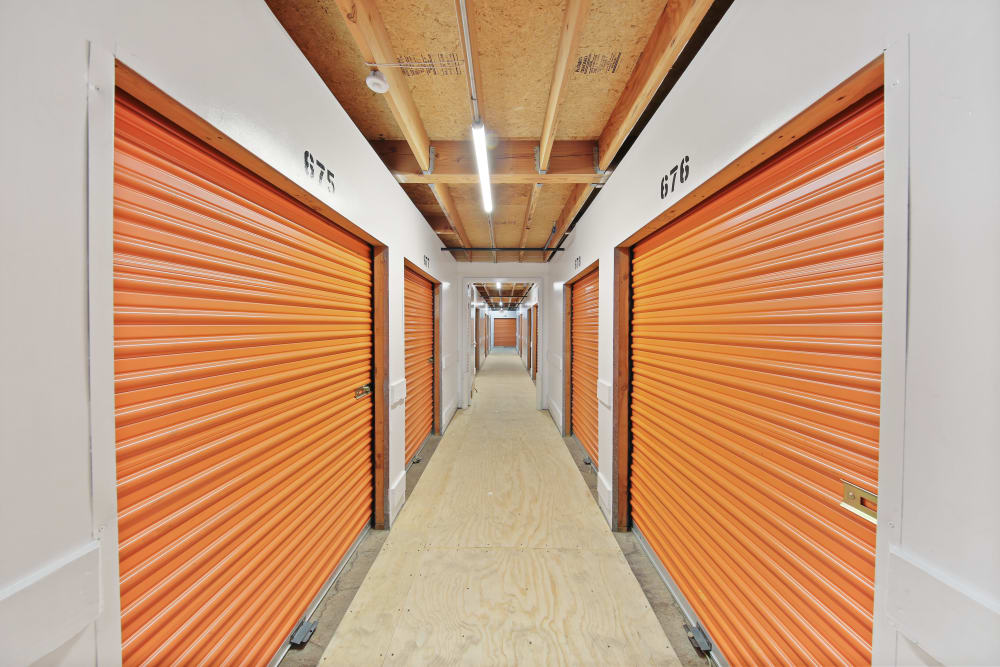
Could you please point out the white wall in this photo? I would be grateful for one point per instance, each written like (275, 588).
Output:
(231, 63)
(938, 562)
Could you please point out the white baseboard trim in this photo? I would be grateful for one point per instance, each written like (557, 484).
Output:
(556, 415)
(604, 495)
(397, 496)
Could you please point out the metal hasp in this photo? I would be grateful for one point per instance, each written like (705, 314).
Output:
(363, 390)
(698, 638)
(302, 632)
(861, 502)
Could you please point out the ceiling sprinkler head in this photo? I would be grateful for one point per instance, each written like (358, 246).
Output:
(376, 81)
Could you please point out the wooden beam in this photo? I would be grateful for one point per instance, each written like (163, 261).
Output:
(529, 212)
(451, 211)
(672, 31)
(573, 22)
(368, 30)
(512, 161)
(576, 199)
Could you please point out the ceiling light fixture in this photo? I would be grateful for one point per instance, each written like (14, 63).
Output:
(482, 163)
(498, 285)
(377, 82)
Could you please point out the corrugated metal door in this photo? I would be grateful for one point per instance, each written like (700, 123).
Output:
(505, 332)
(756, 373)
(583, 372)
(243, 327)
(419, 348)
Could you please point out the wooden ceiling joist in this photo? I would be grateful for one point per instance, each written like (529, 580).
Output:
(368, 30)
(575, 18)
(512, 162)
(576, 200)
(529, 212)
(674, 28)
(451, 211)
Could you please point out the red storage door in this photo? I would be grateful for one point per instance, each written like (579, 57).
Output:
(243, 327)
(419, 349)
(756, 371)
(583, 373)
(505, 332)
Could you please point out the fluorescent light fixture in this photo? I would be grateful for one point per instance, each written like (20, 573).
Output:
(498, 285)
(479, 142)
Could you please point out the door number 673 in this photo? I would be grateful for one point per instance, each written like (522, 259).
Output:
(668, 183)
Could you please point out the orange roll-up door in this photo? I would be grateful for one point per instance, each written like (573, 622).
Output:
(243, 327)
(504, 332)
(583, 372)
(756, 347)
(419, 348)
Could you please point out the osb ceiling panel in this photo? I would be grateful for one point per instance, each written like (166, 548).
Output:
(428, 32)
(319, 30)
(516, 42)
(610, 45)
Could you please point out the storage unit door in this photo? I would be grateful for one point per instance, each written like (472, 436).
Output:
(419, 343)
(504, 332)
(756, 347)
(242, 328)
(583, 378)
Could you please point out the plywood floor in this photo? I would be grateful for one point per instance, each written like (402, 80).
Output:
(500, 556)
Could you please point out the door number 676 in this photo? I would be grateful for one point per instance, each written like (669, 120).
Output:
(668, 183)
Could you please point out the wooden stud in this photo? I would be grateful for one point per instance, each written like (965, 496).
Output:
(368, 30)
(674, 28)
(576, 17)
(380, 395)
(622, 362)
(529, 212)
(573, 204)
(512, 161)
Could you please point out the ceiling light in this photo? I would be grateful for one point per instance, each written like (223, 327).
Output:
(376, 81)
(498, 285)
(479, 142)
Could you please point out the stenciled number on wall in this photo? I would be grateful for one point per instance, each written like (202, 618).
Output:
(316, 169)
(677, 174)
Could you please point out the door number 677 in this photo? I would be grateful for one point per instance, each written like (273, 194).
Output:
(668, 183)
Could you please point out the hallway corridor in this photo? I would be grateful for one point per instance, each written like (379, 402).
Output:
(500, 555)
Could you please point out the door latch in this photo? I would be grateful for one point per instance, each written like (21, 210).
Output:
(861, 502)
(363, 390)
(431, 360)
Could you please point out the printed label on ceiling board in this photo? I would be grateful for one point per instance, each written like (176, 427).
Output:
(437, 64)
(598, 63)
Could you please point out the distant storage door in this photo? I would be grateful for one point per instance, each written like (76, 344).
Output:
(505, 332)
(756, 365)
(583, 378)
(243, 327)
(419, 325)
